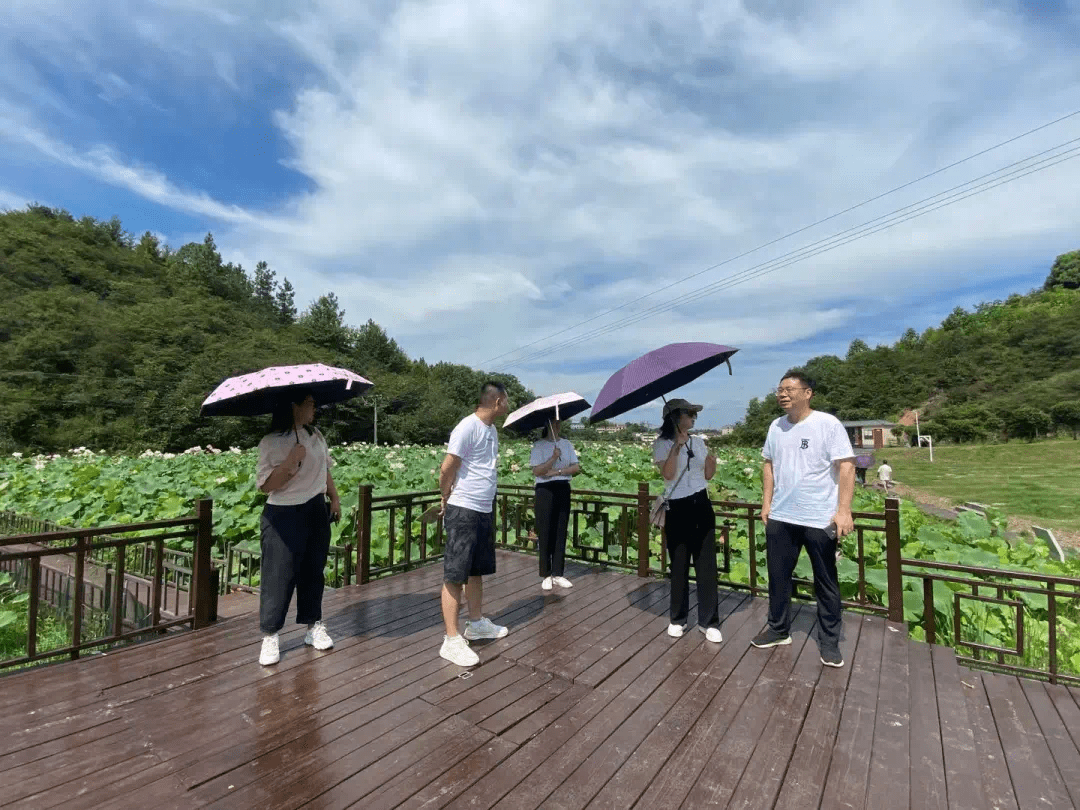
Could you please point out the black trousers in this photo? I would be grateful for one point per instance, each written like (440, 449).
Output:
(295, 543)
(552, 520)
(690, 527)
(783, 542)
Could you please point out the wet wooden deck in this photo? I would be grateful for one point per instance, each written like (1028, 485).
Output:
(587, 703)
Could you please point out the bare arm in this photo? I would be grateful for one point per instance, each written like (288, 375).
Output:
(447, 474)
(845, 479)
(710, 466)
(766, 490)
(670, 466)
(335, 501)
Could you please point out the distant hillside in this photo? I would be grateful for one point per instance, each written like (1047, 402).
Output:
(112, 342)
(978, 375)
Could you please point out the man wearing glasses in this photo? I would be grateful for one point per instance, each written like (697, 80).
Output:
(467, 481)
(808, 480)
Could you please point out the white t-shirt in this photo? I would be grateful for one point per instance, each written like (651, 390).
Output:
(310, 479)
(884, 473)
(477, 445)
(694, 478)
(541, 452)
(805, 489)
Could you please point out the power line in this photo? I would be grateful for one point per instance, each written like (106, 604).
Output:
(839, 239)
(781, 238)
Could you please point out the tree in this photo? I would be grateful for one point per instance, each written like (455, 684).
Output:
(265, 285)
(1067, 415)
(323, 323)
(1065, 272)
(286, 305)
(1027, 422)
(372, 346)
(858, 346)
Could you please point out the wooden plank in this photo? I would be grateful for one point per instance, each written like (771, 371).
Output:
(352, 778)
(962, 783)
(461, 777)
(649, 668)
(643, 765)
(890, 762)
(1034, 773)
(95, 734)
(1067, 706)
(699, 746)
(799, 739)
(532, 724)
(720, 777)
(928, 788)
(1056, 735)
(504, 719)
(849, 768)
(485, 708)
(993, 771)
(414, 779)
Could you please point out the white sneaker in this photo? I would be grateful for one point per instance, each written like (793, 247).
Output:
(318, 638)
(484, 628)
(456, 650)
(545, 583)
(270, 654)
(676, 630)
(711, 634)
(563, 582)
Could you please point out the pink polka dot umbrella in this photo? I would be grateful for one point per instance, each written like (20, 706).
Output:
(259, 392)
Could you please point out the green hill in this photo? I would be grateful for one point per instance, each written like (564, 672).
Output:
(112, 343)
(1007, 369)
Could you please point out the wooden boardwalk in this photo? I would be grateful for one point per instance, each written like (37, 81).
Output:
(587, 703)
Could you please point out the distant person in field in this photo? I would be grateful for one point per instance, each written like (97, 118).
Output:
(808, 481)
(554, 463)
(467, 481)
(294, 470)
(690, 525)
(884, 474)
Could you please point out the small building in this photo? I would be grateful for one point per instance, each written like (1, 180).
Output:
(875, 433)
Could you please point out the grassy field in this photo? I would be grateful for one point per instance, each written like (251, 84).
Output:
(1037, 480)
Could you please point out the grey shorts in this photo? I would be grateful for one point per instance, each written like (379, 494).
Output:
(470, 544)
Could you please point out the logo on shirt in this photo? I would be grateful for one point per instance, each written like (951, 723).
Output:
(805, 444)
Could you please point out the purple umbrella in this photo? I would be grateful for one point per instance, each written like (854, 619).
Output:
(655, 374)
(260, 391)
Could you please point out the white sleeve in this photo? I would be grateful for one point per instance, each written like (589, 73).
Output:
(839, 444)
(461, 440)
(536, 457)
(769, 449)
(269, 457)
(572, 456)
(660, 449)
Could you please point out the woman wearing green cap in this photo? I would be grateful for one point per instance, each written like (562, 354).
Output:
(690, 524)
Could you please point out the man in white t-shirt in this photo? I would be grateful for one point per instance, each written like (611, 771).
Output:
(808, 481)
(884, 475)
(467, 481)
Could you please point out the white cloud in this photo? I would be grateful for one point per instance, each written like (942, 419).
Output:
(529, 165)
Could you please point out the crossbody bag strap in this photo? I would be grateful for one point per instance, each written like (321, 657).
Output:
(686, 469)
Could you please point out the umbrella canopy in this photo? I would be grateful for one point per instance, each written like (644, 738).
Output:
(546, 409)
(259, 392)
(657, 373)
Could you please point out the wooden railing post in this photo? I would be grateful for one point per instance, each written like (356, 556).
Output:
(201, 585)
(363, 534)
(643, 528)
(892, 559)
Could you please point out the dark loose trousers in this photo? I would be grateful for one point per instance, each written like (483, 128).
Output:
(690, 527)
(783, 542)
(552, 519)
(295, 544)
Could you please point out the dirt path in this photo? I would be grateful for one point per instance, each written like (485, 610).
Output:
(1016, 523)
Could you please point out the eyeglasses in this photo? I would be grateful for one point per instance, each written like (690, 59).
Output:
(790, 390)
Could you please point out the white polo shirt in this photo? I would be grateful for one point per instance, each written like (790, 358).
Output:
(693, 480)
(477, 445)
(805, 488)
(310, 479)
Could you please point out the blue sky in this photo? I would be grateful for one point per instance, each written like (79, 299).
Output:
(480, 175)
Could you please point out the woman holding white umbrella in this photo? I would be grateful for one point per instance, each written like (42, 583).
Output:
(554, 462)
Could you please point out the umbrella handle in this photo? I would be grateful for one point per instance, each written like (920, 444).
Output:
(296, 433)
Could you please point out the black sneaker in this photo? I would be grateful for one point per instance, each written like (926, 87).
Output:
(770, 638)
(831, 657)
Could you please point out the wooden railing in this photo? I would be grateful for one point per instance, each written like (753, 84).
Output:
(30, 549)
(612, 529)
